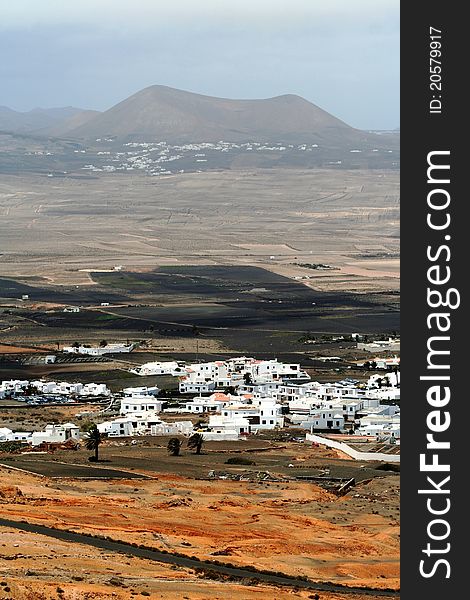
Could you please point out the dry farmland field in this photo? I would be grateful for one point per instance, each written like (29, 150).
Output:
(57, 230)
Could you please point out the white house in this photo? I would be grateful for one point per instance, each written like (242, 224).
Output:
(326, 419)
(143, 424)
(388, 393)
(383, 421)
(186, 386)
(143, 390)
(266, 370)
(13, 386)
(20, 436)
(269, 414)
(122, 427)
(65, 388)
(130, 424)
(380, 430)
(56, 433)
(241, 371)
(211, 404)
(7, 435)
(216, 373)
(263, 413)
(390, 345)
(99, 350)
(95, 389)
(221, 423)
(141, 403)
(176, 428)
(160, 368)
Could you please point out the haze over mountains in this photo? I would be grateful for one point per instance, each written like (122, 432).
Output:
(164, 113)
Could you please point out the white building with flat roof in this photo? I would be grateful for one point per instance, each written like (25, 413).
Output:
(143, 424)
(160, 368)
(202, 405)
(221, 423)
(56, 434)
(13, 386)
(140, 403)
(380, 430)
(142, 390)
(326, 420)
(99, 350)
(191, 386)
(7, 435)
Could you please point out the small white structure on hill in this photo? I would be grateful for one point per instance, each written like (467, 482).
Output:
(100, 350)
(143, 390)
(71, 309)
(390, 345)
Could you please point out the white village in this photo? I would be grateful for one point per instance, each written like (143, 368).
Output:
(229, 400)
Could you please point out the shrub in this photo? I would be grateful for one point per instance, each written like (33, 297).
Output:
(239, 460)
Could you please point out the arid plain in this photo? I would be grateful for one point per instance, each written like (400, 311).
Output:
(277, 219)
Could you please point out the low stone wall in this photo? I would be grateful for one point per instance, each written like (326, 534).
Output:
(352, 452)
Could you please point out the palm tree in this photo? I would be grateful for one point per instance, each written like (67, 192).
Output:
(195, 442)
(174, 446)
(93, 441)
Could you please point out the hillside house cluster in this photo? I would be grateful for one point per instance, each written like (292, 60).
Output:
(206, 377)
(52, 434)
(264, 395)
(24, 387)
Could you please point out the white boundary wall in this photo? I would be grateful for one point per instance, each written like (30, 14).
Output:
(311, 437)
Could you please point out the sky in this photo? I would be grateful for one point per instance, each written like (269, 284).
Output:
(342, 55)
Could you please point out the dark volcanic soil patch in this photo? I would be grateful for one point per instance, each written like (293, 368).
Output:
(248, 309)
(51, 468)
(246, 298)
(11, 289)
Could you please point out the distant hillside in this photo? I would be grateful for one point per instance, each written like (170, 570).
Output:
(163, 113)
(38, 119)
(62, 128)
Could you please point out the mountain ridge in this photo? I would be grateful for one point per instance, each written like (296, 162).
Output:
(161, 112)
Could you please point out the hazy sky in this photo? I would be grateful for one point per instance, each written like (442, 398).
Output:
(340, 54)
